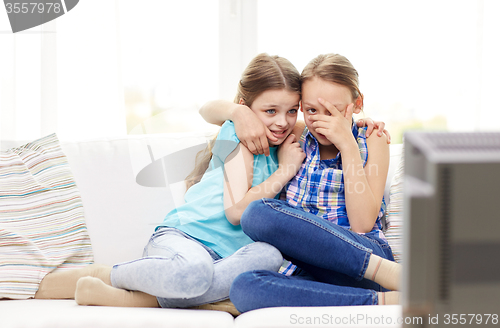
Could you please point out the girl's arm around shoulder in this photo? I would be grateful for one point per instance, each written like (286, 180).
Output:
(218, 111)
(249, 128)
(378, 156)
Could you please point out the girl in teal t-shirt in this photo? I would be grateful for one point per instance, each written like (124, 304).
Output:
(195, 254)
(203, 216)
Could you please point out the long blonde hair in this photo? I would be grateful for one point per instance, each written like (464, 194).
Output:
(333, 68)
(263, 73)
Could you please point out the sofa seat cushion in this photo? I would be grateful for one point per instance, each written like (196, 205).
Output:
(323, 316)
(66, 313)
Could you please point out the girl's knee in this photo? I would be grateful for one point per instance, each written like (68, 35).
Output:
(271, 255)
(242, 290)
(188, 278)
(246, 291)
(197, 277)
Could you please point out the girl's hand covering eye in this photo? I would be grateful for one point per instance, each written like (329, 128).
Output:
(336, 127)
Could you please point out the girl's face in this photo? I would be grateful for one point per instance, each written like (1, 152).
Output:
(336, 94)
(277, 109)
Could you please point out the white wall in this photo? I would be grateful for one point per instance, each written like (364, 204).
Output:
(86, 73)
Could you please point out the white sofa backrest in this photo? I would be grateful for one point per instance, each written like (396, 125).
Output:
(120, 213)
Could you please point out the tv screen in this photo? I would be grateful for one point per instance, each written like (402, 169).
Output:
(451, 237)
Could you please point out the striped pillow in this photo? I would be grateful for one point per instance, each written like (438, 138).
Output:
(394, 234)
(42, 226)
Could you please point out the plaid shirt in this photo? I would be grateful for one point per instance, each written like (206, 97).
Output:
(318, 186)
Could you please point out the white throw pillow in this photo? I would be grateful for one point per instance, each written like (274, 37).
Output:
(394, 234)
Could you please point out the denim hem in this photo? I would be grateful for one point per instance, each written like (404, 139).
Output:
(374, 297)
(364, 267)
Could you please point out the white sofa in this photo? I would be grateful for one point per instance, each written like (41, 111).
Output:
(121, 214)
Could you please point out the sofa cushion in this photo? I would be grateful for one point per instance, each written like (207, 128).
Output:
(42, 225)
(394, 234)
(322, 316)
(66, 313)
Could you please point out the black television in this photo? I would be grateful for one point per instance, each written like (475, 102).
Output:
(451, 233)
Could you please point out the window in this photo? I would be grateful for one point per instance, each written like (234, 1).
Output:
(169, 60)
(114, 67)
(422, 64)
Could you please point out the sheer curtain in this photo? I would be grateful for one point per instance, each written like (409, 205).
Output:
(63, 76)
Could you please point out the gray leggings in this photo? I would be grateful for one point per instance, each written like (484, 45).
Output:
(182, 272)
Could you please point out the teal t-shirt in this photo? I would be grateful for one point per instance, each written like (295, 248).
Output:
(202, 216)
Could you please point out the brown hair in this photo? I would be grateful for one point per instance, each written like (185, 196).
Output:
(334, 68)
(263, 73)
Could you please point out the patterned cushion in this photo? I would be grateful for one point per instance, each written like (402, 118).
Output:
(42, 226)
(394, 234)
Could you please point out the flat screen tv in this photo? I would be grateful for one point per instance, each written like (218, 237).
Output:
(451, 234)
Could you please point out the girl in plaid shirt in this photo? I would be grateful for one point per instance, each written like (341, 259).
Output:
(330, 224)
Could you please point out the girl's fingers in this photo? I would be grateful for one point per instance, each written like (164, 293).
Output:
(264, 145)
(269, 135)
(349, 111)
(319, 117)
(258, 148)
(388, 136)
(321, 124)
(289, 140)
(380, 127)
(322, 131)
(370, 125)
(264, 141)
(331, 108)
(251, 147)
(377, 125)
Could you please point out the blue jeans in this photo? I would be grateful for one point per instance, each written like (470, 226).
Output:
(334, 258)
(182, 272)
